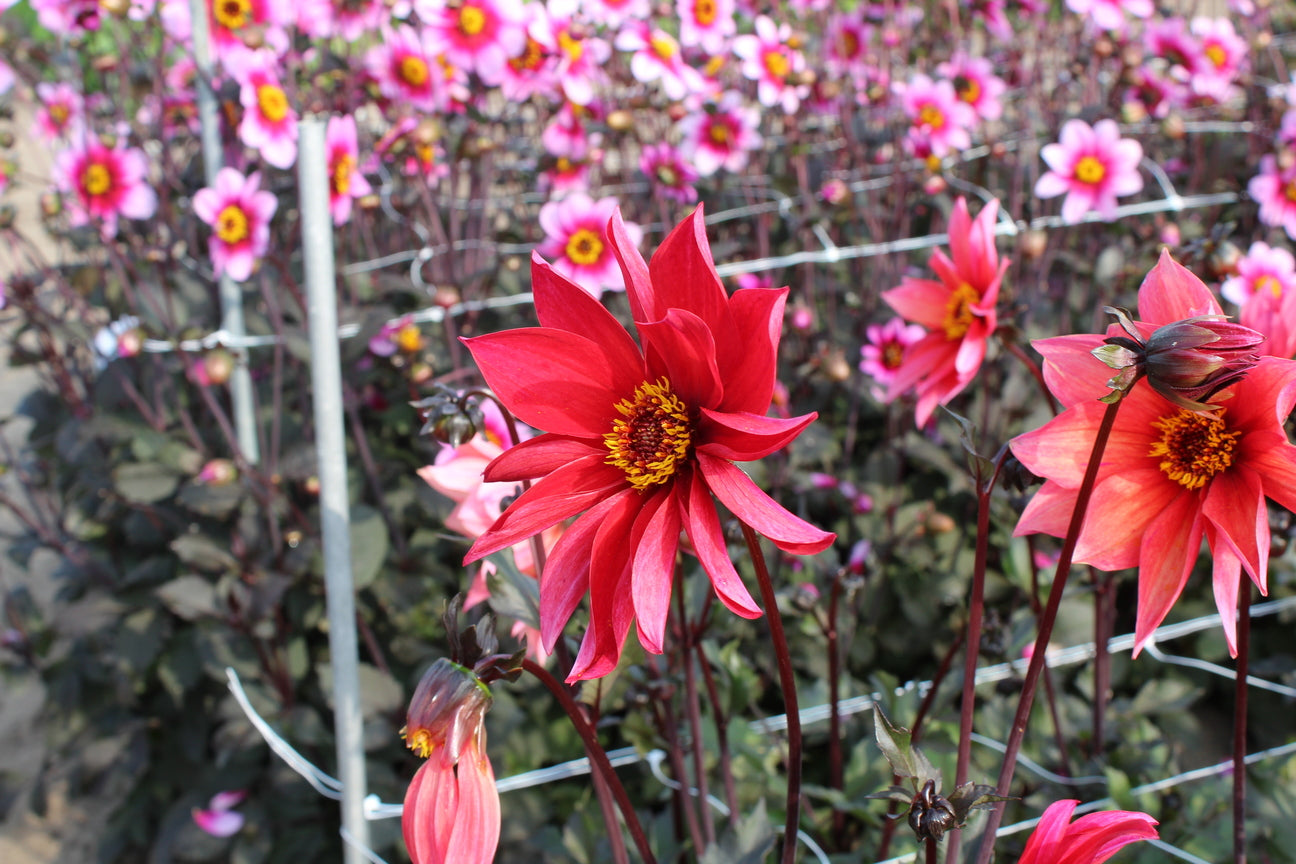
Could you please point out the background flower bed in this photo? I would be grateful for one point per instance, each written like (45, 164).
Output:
(168, 572)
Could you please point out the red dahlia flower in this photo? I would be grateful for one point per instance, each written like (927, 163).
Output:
(1091, 839)
(639, 437)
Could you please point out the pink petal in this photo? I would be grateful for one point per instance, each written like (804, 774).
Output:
(1123, 514)
(746, 437)
(1095, 837)
(1170, 547)
(1041, 848)
(707, 538)
(1171, 292)
(1226, 577)
(475, 829)
(765, 515)
(1071, 372)
(218, 823)
(566, 574)
(1235, 506)
(922, 301)
(431, 802)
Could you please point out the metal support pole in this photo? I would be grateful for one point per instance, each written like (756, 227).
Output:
(231, 295)
(330, 444)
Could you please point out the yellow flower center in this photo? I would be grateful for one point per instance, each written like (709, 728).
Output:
(663, 46)
(342, 174)
(58, 114)
(562, 166)
(584, 247)
(967, 89)
(1268, 283)
(232, 224)
(1193, 448)
(714, 65)
(1289, 191)
(573, 48)
(892, 355)
(232, 14)
(531, 58)
(273, 102)
(958, 310)
(1090, 170)
(666, 175)
(413, 71)
(95, 179)
(704, 12)
(848, 43)
(652, 437)
(420, 741)
(718, 133)
(1216, 55)
(777, 64)
(472, 20)
(931, 116)
(409, 339)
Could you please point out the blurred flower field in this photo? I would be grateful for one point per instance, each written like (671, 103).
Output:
(723, 359)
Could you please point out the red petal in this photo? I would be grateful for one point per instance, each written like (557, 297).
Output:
(638, 282)
(1041, 848)
(1095, 837)
(565, 578)
(703, 526)
(1273, 457)
(1124, 508)
(655, 540)
(1226, 576)
(684, 275)
(476, 827)
(744, 437)
(1263, 400)
(554, 380)
(748, 354)
(765, 515)
(921, 301)
(564, 305)
(611, 604)
(1170, 547)
(680, 347)
(1171, 292)
(1071, 372)
(427, 821)
(559, 496)
(1235, 506)
(539, 456)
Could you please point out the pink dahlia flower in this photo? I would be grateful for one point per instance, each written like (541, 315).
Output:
(670, 173)
(656, 56)
(1264, 268)
(345, 180)
(883, 355)
(239, 213)
(976, 84)
(706, 24)
(1223, 53)
(958, 312)
(1092, 166)
(721, 135)
(102, 183)
(61, 111)
(1091, 839)
(406, 69)
(1110, 14)
(770, 60)
(576, 241)
(269, 123)
(940, 120)
(231, 23)
(533, 71)
(581, 56)
(1274, 189)
(475, 35)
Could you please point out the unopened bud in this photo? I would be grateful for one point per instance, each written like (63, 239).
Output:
(219, 366)
(620, 120)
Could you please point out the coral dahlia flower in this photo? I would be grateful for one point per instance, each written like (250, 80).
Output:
(104, 183)
(958, 312)
(1169, 476)
(639, 438)
(1091, 839)
(1091, 166)
(239, 212)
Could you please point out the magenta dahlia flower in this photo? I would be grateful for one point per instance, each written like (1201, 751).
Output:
(1091, 166)
(576, 239)
(639, 438)
(239, 212)
(103, 183)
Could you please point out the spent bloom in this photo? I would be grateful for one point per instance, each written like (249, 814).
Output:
(1092, 166)
(639, 437)
(1170, 475)
(238, 211)
(1091, 839)
(576, 239)
(958, 311)
(103, 183)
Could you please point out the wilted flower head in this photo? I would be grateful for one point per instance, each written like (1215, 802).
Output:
(447, 710)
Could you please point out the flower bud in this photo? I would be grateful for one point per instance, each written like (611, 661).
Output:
(447, 710)
(1189, 361)
(217, 472)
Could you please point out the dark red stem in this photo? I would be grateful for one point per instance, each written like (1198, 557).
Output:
(1240, 721)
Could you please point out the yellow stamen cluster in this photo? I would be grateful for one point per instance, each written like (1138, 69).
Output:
(704, 12)
(663, 46)
(413, 70)
(932, 117)
(96, 179)
(1193, 447)
(573, 48)
(1090, 170)
(777, 64)
(272, 102)
(1216, 55)
(232, 224)
(531, 58)
(232, 14)
(967, 89)
(342, 175)
(472, 20)
(653, 436)
(958, 311)
(1270, 284)
(584, 247)
(420, 741)
(718, 132)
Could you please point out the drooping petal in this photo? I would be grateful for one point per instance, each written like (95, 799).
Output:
(766, 516)
(427, 821)
(1124, 510)
(680, 347)
(552, 379)
(565, 578)
(539, 456)
(611, 602)
(476, 828)
(562, 304)
(1226, 575)
(1095, 837)
(746, 437)
(655, 540)
(559, 496)
(1169, 550)
(702, 524)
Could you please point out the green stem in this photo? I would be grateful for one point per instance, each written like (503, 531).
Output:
(787, 680)
(1046, 623)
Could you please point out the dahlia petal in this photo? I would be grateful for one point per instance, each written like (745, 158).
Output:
(551, 379)
(1051, 185)
(1041, 847)
(638, 282)
(1095, 837)
(765, 515)
(702, 524)
(564, 305)
(1076, 205)
(476, 827)
(611, 603)
(539, 456)
(1071, 372)
(431, 802)
(747, 437)
(921, 301)
(1123, 513)
(1171, 292)
(1226, 577)
(1058, 159)
(684, 274)
(560, 495)
(1265, 398)
(565, 578)
(680, 347)
(1170, 546)
(655, 540)
(218, 822)
(1235, 506)
(748, 354)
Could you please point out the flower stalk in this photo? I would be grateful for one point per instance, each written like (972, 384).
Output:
(1240, 721)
